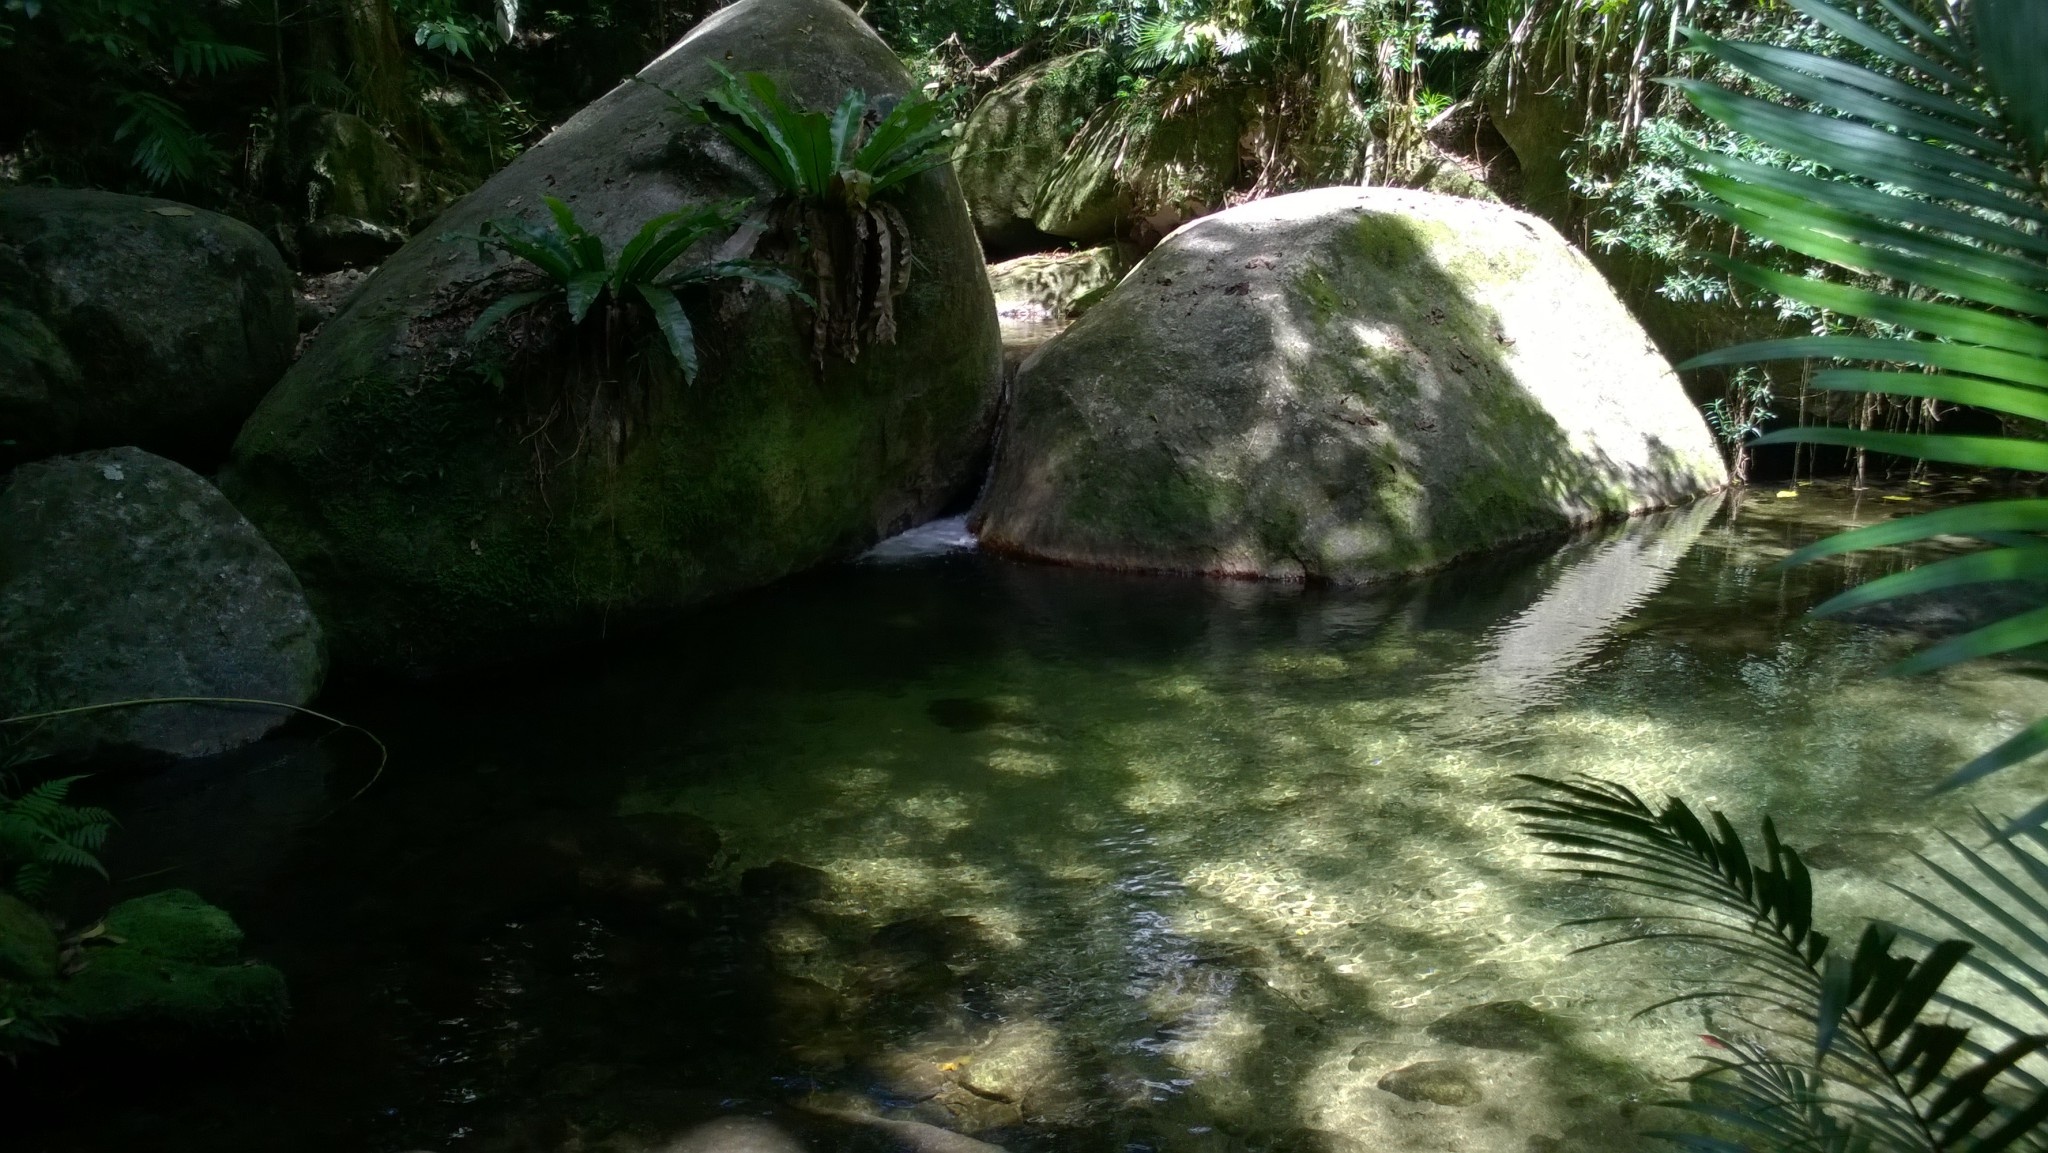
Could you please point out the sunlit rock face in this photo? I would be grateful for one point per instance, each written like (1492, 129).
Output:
(1343, 385)
(439, 521)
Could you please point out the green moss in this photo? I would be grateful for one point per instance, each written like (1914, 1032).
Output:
(1326, 301)
(28, 946)
(167, 969)
(176, 925)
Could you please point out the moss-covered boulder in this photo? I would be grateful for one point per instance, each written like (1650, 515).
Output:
(124, 575)
(1341, 385)
(28, 945)
(174, 321)
(437, 520)
(1146, 164)
(168, 970)
(354, 191)
(1015, 137)
(1047, 284)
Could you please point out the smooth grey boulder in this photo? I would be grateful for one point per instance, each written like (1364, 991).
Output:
(1015, 137)
(1343, 385)
(174, 320)
(438, 521)
(124, 575)
(1047, 284)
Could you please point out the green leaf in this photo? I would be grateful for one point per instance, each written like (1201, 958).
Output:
(846, 125)
(1859, 150)
(2031, 403)
(2005, 564)
(2024, 745)
(1750, 57)
(759, 271)
(1968, 325)
(1977, 451)
(2015, 632)
(1985, 362)
(1974, 520)
(1857, 243)
(629, 270)
(1872, 203)
(1848, 89)
(1863, 35)
(584, 288)
(675, 327)
(502, 308)
(587, 249)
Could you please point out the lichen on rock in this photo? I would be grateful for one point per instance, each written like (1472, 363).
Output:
(1342, 385)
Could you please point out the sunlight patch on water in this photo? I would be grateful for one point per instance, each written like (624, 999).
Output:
(1261, 867)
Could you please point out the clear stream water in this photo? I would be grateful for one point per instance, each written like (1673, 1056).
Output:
(1066, 860)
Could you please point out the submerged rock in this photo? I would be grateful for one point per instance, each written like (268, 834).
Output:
(154, 324)
(1437, 1082)
(439, 520)
(123, 575)
(1344, 384)
(734, 1135)
(1514, 1026)
(167, 970)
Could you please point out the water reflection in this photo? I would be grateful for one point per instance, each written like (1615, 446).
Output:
(1066, 860)
(1590, 586)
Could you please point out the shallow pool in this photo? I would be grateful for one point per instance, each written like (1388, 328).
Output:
(1064, 860)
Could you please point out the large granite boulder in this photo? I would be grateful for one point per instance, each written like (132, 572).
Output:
(431, 525)
(149, 323)
(1015, 138)
(123, 575)
(1341, 385)
(1049, 284)
(1145, 173)
(353, 192)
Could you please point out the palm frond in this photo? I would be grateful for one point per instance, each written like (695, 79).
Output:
(1876, 1023)
(1934, 217)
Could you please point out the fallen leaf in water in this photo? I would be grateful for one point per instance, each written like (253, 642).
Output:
(1787, 493)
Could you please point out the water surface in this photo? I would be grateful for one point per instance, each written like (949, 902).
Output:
(1065, 860)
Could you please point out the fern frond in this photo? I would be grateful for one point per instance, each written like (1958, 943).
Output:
(168, 150)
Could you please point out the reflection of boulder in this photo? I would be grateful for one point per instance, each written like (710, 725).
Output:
(439, 520)
(1342, 385)
(130, 320)
(1590, 587)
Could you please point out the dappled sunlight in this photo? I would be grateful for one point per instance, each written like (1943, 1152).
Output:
(1079, 861)
(1234, 883)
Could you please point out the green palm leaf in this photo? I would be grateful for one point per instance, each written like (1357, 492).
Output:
(1889, 1068)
